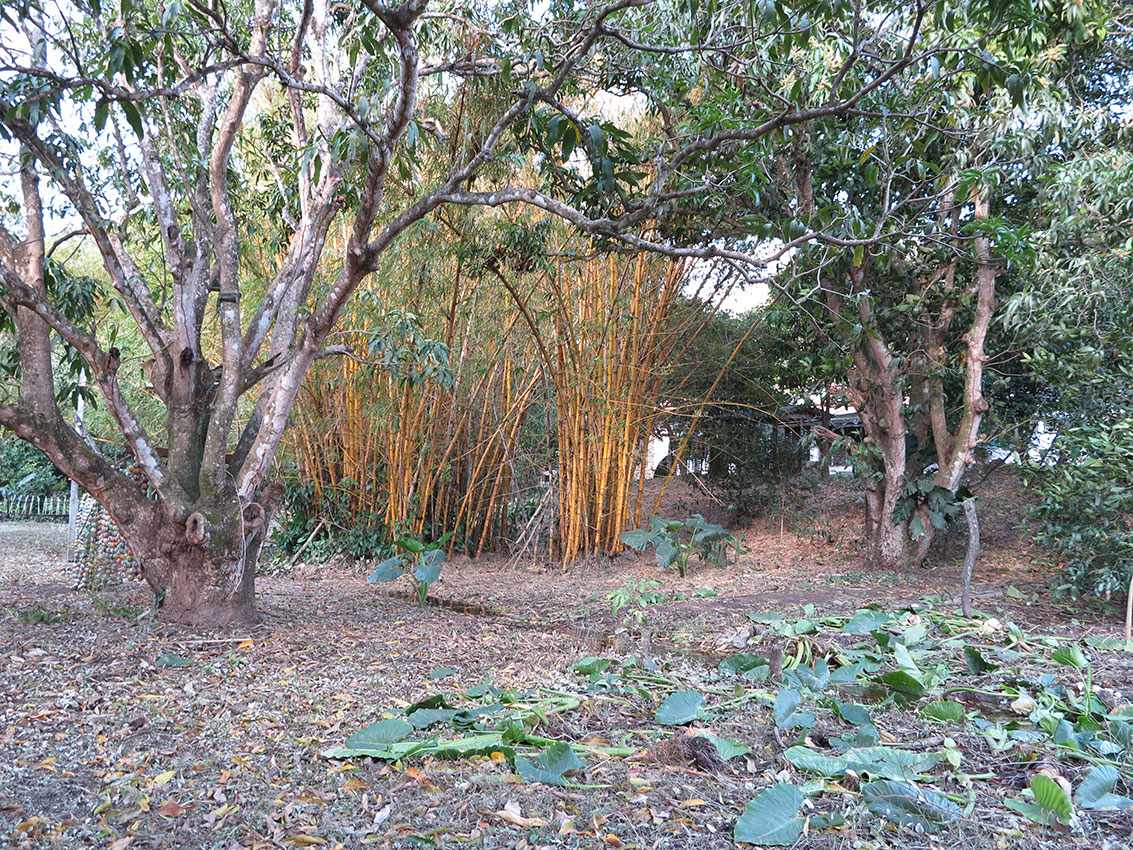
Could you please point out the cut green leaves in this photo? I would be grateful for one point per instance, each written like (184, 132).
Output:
(772, 818)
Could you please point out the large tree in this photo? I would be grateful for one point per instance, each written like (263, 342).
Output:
(157, 129)
(946, 179)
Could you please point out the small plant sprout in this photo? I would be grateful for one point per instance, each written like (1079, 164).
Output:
(421, 562)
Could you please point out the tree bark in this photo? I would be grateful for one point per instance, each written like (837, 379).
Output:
(206, 592)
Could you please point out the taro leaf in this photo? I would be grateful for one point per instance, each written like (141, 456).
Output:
(858, 716)
(550, 765)
(975, 662)
(388, 570)
(1109, 643)
(772, 818)
(903, 683)
(865, 622)
(438, 673)
(637, 539)
(423, 718)
(728, 749)
(944, 710)
(172, 659)
(1051, 803)
(1096, 790)
(666, 553)
(1071, 656)
(807, 759)
(787, 715)
(428, 568)
(1122, 732)
(473, 745)
(830, 821)
(591, 664)
(481, 689)
(433, 701)
(890, 762)
(816, 678)
(679, 708)
(852, 713)
(909, 805)
(386, 752)
(743, 662)
(847, 675)
(470, 716)
(905, 660)
(377, 735)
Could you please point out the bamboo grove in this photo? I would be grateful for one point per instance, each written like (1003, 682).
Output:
(532, 437)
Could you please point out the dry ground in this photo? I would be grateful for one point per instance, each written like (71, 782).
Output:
(103, 745)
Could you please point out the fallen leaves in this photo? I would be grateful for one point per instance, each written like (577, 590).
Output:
(171, 809)
(513, 814)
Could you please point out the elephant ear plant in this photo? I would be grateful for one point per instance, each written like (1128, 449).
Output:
(420, 561)
(674, 541)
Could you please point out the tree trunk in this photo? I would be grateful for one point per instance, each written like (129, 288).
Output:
(205, 592)
(887, 541)
(202, 572)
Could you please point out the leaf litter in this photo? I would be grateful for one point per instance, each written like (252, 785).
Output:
(882, 726)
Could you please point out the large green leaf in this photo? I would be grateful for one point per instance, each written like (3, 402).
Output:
(423, 718)
(679, 708)
(866, 621)
(1071, 656)
(550, 766)
(890, 762)
(637, 539)
(807, 759)
(383, 732)
(1051, 802)
(388, 570)
(1096, 790)
(903, 683)
(666, 552)
(945, 710)
(428, 568)
(746, 664)
(772, 818)
(728, 749)
(1052, 797)
(905, 803)
(975, 661)
(786, 710)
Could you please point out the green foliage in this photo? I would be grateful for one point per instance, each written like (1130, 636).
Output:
(550, 766)
(680, 708)
(1074, 320)
(25, 470)
(940, 504)
(907, 804)
(635, 598)
(420, 562)
(772, 818)
(675, 541)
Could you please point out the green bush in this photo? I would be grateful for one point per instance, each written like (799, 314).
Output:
(1086, 507)
(25, 470)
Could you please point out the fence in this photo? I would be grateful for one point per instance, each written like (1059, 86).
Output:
(41, 508)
